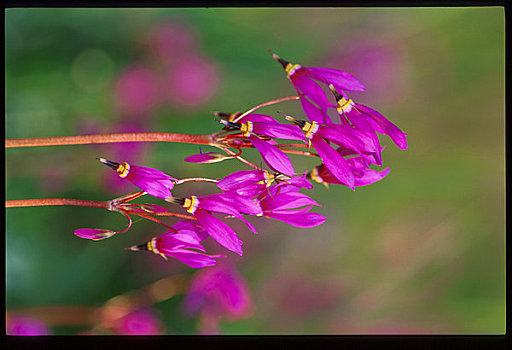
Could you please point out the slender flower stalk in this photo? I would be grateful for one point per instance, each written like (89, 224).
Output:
(207, 139)
(17, 203)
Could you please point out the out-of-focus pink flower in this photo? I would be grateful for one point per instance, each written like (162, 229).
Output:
(22, 325)
(218, 292)
(167, 41)
(136, 91)
(381, 65)
(191, 81)
(139, 322)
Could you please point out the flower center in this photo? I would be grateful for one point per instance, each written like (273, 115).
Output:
(291, 69)
(191, 204)
(316, 176)
(344, 105)
(310, 129)
(269, 178)
(246, 128)
(152, 246)
(123, 169)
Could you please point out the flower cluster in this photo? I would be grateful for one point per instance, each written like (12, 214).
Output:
(347, 148)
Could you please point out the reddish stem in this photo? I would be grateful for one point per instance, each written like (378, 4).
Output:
(55, 201)
(111, 138)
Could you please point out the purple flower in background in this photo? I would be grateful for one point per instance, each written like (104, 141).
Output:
(303, 79)
(216, 293)
(22, 325)
(139, 322)
(363, 175)
(168, 41)
(366, 119)
(284, 203)
(191, 82)
(136, 91)
(154, 182)
(182, 243)
(226, 203)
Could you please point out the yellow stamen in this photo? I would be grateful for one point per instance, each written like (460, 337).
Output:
(291, 69)
(310, 129)
(191, 204)
(344, 105)
(246, 128)
(269, 178)
(316, 176)
(123, 169)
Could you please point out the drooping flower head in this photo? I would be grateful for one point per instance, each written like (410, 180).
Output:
(363, 175)
(153, 181)
(366, 119)
(182, 243)
(303, 79)
(225, 203)
(286, 204)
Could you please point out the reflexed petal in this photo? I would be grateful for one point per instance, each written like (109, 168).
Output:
(302, 220)
(288, 200)
(191, 228)
(309, 88)
(279, 131)
(219, 231)
(390, 129)
(94, 233)
(370, 176)
(336, 164)
(240, 179)
(195, 259)
(274, 157)
(339, 79)
(256, 117)
(207, 157)
(314, 113)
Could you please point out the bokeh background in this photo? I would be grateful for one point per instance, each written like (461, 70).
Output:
(421, 252)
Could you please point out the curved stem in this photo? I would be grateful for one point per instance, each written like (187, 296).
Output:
(55, 201)
(207, 139)
(228, 151)
(304, 153)
(190, 179)
(266, 104)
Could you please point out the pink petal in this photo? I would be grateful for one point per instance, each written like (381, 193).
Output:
(274, 157)
(219, 231)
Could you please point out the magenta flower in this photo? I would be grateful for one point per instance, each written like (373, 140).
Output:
(256, 127)
(182, 243)
(191, 81)
(319, 135)
(250, 183)
(226, 203)
(154, 182)
(366, 119)
(284, 203)
(22, 325)
(363, 175)
(219, 292)
(303, 79)
(207, 157)
(136, 91)
(139, 322)
(97, 234)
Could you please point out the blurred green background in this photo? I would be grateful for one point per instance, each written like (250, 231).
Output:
(422, 251)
